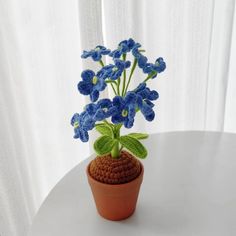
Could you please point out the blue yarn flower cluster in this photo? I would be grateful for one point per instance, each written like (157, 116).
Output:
(82, 123)
(123, 47)
(157, 67)
(113, 72)
(126, 103)
(91, 84)
(141, 59)
(121, 110)
(96, 53)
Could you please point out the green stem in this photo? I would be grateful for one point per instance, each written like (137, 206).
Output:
(118, 86)
(131, 73)
(101, 63)
(113, 88)
(115, 152)
(110, 81)
(150, 76)
(124, 74)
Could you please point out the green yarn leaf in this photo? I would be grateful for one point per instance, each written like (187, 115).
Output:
(138, 135)
(134, 146)
(104, 129)
(104, 144)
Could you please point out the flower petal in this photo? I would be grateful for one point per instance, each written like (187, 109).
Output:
(101, 85)
(85, 88)
(150, 117)
(91, 108)
(142, 61)
(83, 135)
(118, 102)
(88, 123)
(140, 87)
(86, 54)
(105, 102)
(99, 115)
(128, 123)
(75, 118)
(94, 95)
(130, 98)
(145, 109)
(153, 95)
(117, 119)
(96, 56)
(87, 75)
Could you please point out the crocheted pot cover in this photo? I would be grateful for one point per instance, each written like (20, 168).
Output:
(115, 171)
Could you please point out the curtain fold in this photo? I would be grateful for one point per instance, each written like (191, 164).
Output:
(218, 64)
(91, 35)
(40, 66)
(230, 114)
(194, 37)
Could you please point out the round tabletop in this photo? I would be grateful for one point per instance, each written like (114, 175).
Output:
(189, 189)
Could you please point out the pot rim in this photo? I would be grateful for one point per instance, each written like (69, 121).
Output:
(140, 176)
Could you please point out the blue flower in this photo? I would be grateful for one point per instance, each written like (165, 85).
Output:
(91, 109)
(145, 92)
(158, 67)
(105, 71)
(82, 123)
(102, 110)
(114, 71)
(125, 112)
(144, 98)
(123, 47)
(148, 94)
(147, 110)
(91, 85)
(96, 53)
(141, 59)
(140, 87)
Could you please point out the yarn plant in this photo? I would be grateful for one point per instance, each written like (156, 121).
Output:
(107, 116)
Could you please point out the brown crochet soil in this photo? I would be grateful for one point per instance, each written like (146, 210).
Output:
(107, 170)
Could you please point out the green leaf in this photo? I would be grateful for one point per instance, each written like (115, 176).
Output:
(134, 146)
(104, 129)
(104, 144)
(117, 129)
(138, 135)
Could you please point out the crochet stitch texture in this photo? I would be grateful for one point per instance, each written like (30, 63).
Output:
(115, 171)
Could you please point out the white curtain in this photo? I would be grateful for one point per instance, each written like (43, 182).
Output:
(40, 66)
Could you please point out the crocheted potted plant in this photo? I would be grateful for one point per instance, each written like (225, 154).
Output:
(116, 174)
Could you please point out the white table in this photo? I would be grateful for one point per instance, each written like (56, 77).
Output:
(189, 189)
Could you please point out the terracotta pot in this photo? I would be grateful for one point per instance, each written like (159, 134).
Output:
(115, 201)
